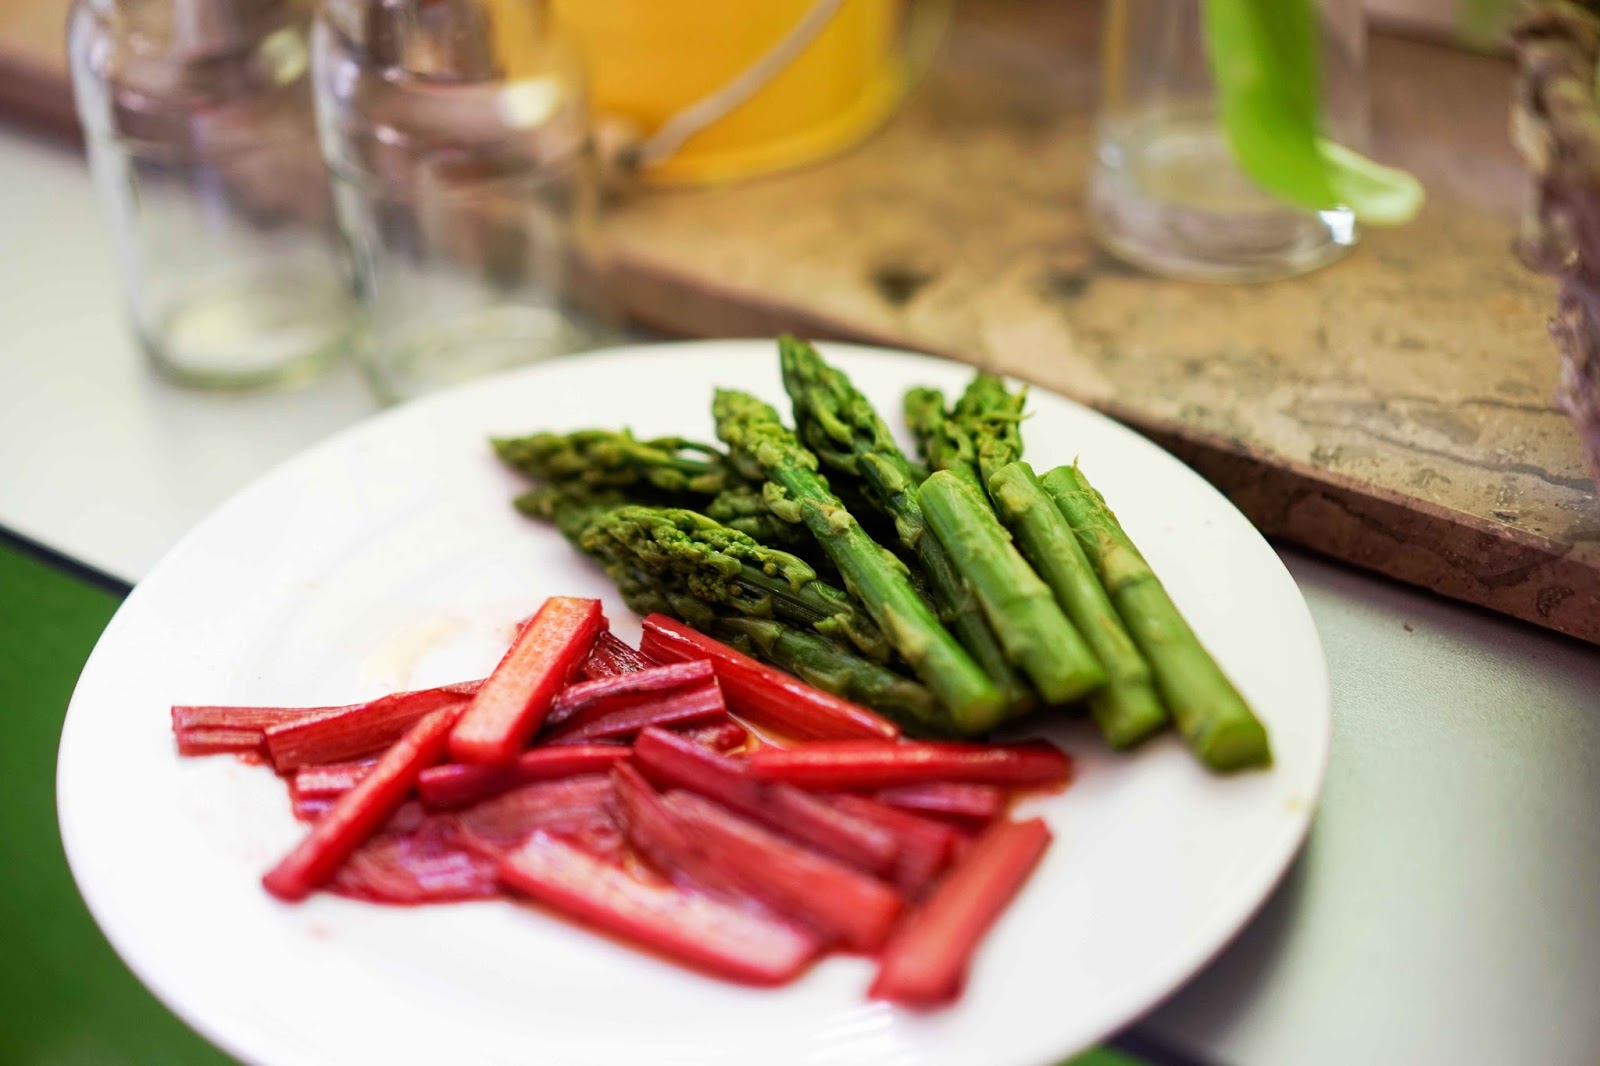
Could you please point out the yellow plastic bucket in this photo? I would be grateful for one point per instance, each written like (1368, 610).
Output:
(650, 59)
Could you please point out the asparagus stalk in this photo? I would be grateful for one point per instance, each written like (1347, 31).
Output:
(761, 447)
(832, 667)
(844, 431)
(1127, 708)
(1020, 607)
(1213, 718)
(725, 568)
(615, 468)
(617, 459)
(940, 438)
(990, 416)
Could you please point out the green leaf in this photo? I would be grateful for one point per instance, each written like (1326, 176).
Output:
(1263, 57)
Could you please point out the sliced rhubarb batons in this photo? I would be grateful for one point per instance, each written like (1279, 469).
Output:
(926, 961)
(957, 801)
(461, 784)
(764, 694)
(834, 899)
(358, 813)
(216, 741)
(672, 761)
(325, 782)
(719, 938)
(585, 700)
(513, 701)
(611, 657)
(852, 765)
(926, 846)
(346, 733)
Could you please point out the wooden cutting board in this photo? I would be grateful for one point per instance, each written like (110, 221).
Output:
(1392, 411)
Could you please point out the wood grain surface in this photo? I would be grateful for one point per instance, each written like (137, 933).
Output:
(1392, 411)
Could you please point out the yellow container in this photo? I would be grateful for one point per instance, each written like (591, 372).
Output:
(650, 59)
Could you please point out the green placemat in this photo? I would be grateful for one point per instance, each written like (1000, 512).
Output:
(65, 998)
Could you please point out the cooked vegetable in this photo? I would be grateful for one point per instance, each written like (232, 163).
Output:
(1126, 707)
(513, 701)
(462, 784)
(726, 569)
(722, 938)
(358, 813)
(761, 447)
(344, 733)
(676, 762)
(1032, 628)
(831, 667)
(583, 700)
(843, 430)
(761, 693)
(927, 960)
(843, 904)
(1214, 719)
(610, 657)
(869, 764)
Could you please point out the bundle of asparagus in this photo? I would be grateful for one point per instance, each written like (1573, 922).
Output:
(1009, 591)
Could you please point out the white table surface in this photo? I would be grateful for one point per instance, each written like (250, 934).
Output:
(1446, 909)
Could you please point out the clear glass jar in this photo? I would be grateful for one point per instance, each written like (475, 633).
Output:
(458, 136)
(201, 135)
(1164, 191)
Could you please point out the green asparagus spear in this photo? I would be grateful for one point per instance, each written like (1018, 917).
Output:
(761, 447)
(725, 568)
(1212, 716)
(602, 457)
(943, 444)
(840, 426)
(1126, 708)
(990, 416)
(832, 667)
(1020, 607)
(568, 506)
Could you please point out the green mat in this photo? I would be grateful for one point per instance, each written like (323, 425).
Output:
(65, 998)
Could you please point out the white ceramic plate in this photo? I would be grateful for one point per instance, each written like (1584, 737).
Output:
(389, 557)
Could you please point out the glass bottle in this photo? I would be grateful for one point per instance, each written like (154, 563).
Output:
(1164, 191)
(198, 120)
(458, 136)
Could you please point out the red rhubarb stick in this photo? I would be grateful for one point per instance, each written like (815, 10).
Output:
(611, 657)
(590, 699)
(512, 703)
(827, 896)
(764, 694)
(255, 719)
(214, 741)
(926, 845)
(663, 838)
(724, 736)
(693, 929)
(947, 799)
(854, 765)
(926, 961)
(575, 808)
(362, 729)
(461, 784)
(686, 706)
(322, 782)
(672, 761)
(357, 814)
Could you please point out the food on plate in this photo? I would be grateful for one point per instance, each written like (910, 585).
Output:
(1214, 719)
(950, 601)
(708, 807)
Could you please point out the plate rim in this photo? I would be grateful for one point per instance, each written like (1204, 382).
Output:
(1264, 876)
